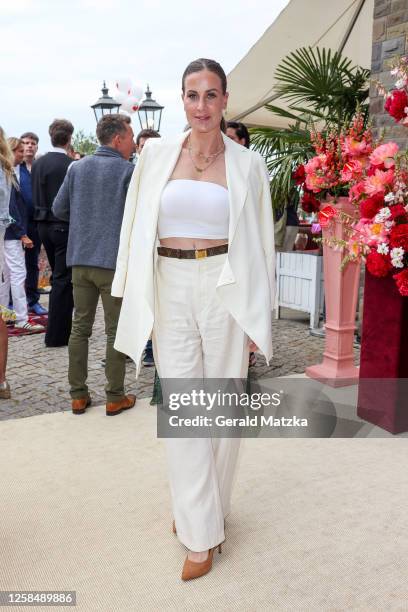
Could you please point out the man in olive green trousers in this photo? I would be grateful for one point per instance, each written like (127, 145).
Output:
(90, 283)
(92, 198)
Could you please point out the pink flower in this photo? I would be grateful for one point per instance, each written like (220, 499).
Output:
(356, 191)
(355, 148)
(352, 170)
(370, 234)
(378, 181)
(384, 154)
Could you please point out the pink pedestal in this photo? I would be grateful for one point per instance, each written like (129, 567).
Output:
(341, 293)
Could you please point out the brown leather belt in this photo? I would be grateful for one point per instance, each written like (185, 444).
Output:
(193, 253)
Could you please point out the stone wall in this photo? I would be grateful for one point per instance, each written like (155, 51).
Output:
(390, 40)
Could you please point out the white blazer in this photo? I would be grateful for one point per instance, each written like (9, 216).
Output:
(246, 285)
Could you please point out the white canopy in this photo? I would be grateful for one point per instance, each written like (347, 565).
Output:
(344, 25)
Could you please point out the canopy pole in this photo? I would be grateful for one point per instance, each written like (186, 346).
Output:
(351, 26)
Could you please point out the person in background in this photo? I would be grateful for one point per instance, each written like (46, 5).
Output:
(30, 142)
(15, 241)
(48, 173)
(92, 198)
(239, 133)
(142, 137)
(6, 181)
(148, 358)
(71, 152)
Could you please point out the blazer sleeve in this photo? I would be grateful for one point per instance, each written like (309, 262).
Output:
(119, 279)
(61, 204)
(267, 227)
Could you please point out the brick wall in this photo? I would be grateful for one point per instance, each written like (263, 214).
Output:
(390, 39)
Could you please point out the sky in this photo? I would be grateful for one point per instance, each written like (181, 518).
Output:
(56, 53)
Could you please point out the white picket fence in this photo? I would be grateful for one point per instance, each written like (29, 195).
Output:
(299, 277)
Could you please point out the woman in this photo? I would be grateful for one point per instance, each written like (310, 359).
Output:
(205, 291)
(15, 241)
(6, 178)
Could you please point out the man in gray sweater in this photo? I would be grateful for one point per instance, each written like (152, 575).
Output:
(92, 198)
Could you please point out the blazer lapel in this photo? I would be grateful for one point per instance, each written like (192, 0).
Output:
(237, 163)
(169, 155)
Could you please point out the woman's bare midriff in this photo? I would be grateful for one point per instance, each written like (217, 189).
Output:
(191, 243)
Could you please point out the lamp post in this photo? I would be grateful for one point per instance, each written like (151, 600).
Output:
(105, 105)
(150, 112)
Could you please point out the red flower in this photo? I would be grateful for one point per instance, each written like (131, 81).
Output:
(377, 264)
(399, 236)
(299, 175)
(402, 281)
(371, 170)
(397, 211)
(396, 103)
(310, 204)
(370, 206)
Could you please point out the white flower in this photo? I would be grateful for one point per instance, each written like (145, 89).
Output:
(382, 215)
(383, 248)
(397, 255)
(389, 197)
(389, 224)
(400, 83)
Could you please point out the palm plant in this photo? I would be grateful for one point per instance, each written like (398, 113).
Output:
(321, 88)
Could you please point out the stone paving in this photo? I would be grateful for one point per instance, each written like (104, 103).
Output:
(38, 375)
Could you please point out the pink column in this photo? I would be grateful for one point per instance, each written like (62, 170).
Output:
(341, 293)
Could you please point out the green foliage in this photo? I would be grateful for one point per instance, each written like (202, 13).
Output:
(322, 88)
(84, 144)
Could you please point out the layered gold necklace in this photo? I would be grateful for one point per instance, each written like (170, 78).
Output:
(208, 159)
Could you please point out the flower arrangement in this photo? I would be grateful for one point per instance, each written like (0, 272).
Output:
(396, 100)
(375, 177)
(379, 235)
(341, 156)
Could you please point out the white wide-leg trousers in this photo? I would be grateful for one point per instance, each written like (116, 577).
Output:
(14, 275)
(195, 337)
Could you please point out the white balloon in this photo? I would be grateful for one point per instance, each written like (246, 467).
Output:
(136, 92)
(130, 105)
(124, 84)
(119, 96)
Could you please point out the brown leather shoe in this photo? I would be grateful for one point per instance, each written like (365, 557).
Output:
(79, 406)
(5, 392)
(127, 402)
(192, 569)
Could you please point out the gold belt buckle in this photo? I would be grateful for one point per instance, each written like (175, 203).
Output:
(200, 253)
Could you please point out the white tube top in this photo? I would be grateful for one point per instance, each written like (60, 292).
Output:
(193, 209)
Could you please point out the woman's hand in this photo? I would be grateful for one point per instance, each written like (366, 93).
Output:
(27, 243)
(252, 346)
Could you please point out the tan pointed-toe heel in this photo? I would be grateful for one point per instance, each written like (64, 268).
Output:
(192, 569)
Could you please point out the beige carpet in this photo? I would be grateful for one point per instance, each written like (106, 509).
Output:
(316, 524)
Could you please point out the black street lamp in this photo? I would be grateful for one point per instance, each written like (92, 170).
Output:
(150, 112)
(105, 105)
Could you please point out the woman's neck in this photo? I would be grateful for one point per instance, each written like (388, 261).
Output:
(206, 143)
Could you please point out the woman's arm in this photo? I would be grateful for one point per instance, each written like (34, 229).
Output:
(19, 224)
(4, 197)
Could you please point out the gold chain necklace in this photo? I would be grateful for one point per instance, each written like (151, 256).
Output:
(210, 159)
